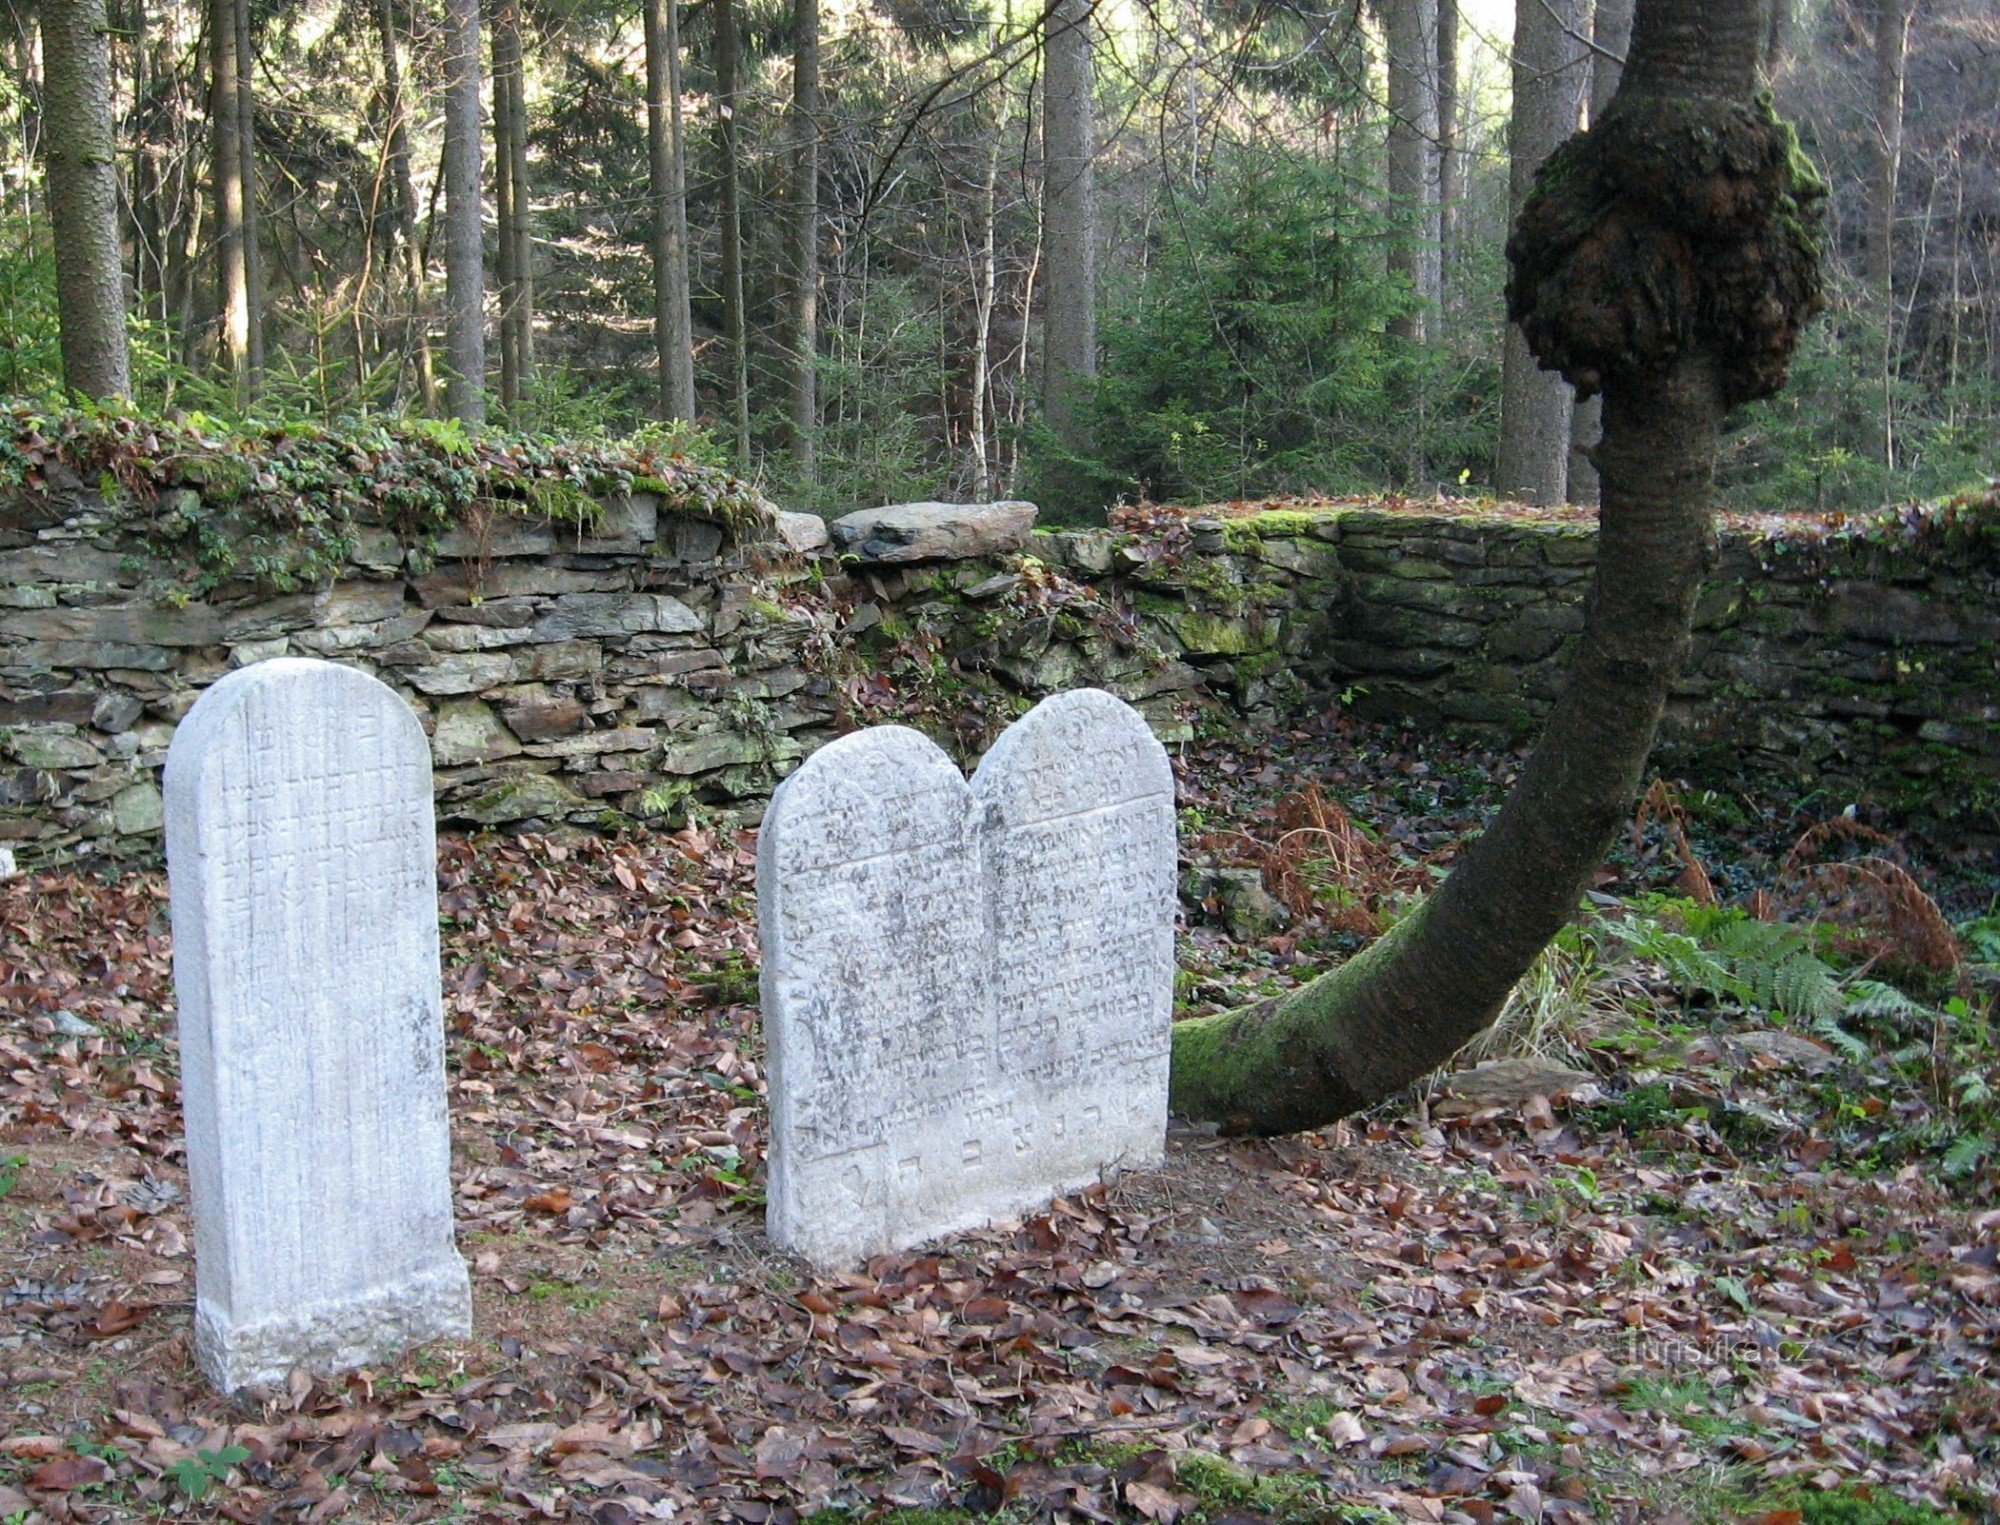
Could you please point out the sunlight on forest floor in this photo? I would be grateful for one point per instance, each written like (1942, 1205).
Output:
(1705, 1273)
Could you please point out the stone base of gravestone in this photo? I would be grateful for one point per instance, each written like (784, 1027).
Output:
(300, 844)
(967, 988)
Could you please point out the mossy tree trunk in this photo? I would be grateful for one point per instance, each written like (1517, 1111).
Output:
(83, 198)
(1667, 259)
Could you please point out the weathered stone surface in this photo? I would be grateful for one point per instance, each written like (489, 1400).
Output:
(715, 749)
(518, 797)
(52, 747)
(967, 987)
(801, 533)
(462, 673)
(500, 535)
(934, 531)
(614, 614)
(299, 840)
(536, 716)
(95, 655)
(136, 809)
(468, 732)
(71, 706)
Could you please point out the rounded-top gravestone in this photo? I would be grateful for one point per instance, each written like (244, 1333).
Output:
(301, 847)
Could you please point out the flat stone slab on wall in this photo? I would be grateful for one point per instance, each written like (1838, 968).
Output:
(302, 853)
(968, 988)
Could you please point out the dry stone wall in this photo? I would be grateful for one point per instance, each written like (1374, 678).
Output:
(655, 658)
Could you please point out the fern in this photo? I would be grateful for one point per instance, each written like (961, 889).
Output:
(1764, 966)
(1967, 1153)
(1841, 1040)
(1878, 999)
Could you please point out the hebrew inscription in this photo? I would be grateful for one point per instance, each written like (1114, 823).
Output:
(967, 988)
(300, 844)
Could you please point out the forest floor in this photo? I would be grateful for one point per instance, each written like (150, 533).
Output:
(1677, 1261)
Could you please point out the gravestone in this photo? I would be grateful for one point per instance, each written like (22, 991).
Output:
(300, 844)
(967, 988)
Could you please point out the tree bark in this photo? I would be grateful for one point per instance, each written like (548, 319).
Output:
(1451, 189)
(522, 223)
(805, 236)
(1549, 80)
(1069, 225)
(83, 198)
(734, 321)
(513, 197)
(1409, 29)
(464, 257)
(986, 286)
(1892, 48)
(1690, 221)
(253, 235)
(1611, 36)
(500, 29)
(232, 304)
(673, 323)
(410, 251)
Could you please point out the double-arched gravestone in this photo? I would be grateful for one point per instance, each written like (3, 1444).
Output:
(967, 987)
(301, 846)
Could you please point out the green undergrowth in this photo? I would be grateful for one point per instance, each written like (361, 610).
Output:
(280, 504)
(1910, 1073)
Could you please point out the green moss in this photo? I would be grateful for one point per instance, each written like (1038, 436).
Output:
(277, 506)
(1244, 535)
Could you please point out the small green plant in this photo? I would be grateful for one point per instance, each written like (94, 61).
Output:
(195, 1475)
(1869, 1506)
(1639, 1110)
(10, 1171)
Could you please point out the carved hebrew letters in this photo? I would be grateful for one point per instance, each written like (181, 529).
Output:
(967, 988)
(301, 848)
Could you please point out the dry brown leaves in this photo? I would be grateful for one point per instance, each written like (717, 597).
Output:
(1501, 1315)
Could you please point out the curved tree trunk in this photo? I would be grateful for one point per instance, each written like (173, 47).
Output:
(1712, 299)
(83, 198)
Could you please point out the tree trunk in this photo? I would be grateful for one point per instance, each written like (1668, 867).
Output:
(1892, 49)
(985, 286)
(232, 303)
(1069, 225)
(1451, 190)
(1611, 36)
(464, 258)
(1778, 40)
(1688, 217)
(1409, 29)
(253, 225)
(805, 236)
(1549, 80)
(734, 320)
(500, 29)
(521, 225)
(410, 252)
(513, 197)
(673, 324)
(83, 198)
